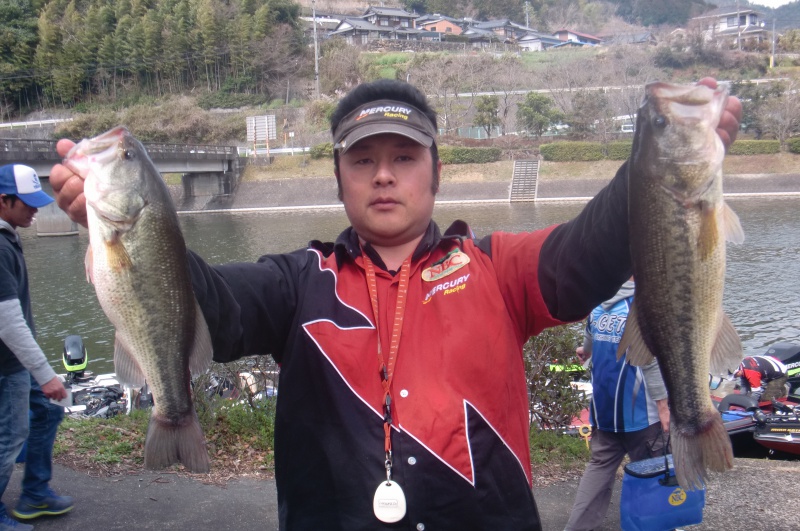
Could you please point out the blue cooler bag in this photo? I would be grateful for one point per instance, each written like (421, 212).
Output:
(652, 500)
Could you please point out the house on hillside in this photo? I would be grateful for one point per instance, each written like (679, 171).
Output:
(537, 42)
(392, 17)
(440, 24)
(381, 23)
(565, 35)
(358, 31)
(731, 25)
(505, 29)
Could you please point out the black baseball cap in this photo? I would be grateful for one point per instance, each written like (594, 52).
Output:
(383, 116)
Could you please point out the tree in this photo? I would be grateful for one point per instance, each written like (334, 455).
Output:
(339, 67)
(789, 42)
(780, 117)
(508, 79)
(18, 41)
(553, 402)
(753, 98)
(486, 114)
(537, 113)
(591, 114)
(657, 12)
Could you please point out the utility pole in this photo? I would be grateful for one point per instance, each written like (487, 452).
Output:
(738, 27)
(772, 57)
(316, 49)
(527, 7)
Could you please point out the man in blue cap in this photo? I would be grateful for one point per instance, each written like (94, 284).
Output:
(27, 381)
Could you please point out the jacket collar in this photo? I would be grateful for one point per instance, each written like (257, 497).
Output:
(347, 244)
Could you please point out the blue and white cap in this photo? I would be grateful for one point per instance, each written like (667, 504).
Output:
(23, 182)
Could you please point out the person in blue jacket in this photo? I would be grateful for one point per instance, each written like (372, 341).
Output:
(628, 411)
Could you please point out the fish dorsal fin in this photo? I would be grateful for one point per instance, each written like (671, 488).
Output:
(638, 353)
(727, 352)
(730, 225)
(200, 357)
(126, 367)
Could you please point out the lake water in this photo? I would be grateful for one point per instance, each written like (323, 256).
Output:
(762, 293)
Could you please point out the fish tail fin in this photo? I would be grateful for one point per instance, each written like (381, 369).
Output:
(708, 448)
(632, 342)
(727, 352)
(182, 441)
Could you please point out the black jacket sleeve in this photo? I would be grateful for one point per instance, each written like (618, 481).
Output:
(584, 261)
(248, 307)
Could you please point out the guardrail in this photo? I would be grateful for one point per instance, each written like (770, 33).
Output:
(25, 149)
(33, 123)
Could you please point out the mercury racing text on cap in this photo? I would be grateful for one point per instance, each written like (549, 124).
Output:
(384, 116)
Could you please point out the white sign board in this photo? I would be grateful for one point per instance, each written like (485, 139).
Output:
(261, 128)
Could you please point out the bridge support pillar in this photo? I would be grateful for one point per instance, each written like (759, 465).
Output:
(51, 220)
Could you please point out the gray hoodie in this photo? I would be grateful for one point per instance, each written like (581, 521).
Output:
(17, 335)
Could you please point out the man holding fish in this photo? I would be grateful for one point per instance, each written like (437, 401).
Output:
(402, 390)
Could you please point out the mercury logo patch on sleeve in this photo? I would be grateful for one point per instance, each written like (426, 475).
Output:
(452, 262)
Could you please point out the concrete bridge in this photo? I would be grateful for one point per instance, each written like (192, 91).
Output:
(209, 173)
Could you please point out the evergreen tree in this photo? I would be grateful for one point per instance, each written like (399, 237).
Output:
(486, 113)
(18, 40)
(537, 113)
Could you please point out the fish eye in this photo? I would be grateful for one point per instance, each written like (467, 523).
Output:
(660, 121)
(129, 154)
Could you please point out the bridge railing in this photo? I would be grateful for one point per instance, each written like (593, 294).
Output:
(15, 149)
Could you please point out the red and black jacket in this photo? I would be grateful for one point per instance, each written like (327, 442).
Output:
(459, 396)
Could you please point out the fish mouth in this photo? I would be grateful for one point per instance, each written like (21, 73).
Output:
(685, 95)
(97, 150)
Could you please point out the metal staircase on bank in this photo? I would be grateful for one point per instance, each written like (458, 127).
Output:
(524, 181)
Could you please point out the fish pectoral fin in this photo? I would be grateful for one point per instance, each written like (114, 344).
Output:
(202, 349)
(117, 255)
(632, 342)
(727, 352)
(730, 225)
(88, 264)
(126, 367)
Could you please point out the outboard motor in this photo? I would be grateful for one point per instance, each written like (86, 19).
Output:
(789, 354)
(75, 359)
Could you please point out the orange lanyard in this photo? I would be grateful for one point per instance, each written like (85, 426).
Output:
(387, 366)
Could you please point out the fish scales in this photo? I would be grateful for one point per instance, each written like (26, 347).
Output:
(137, 263)
(678, 225)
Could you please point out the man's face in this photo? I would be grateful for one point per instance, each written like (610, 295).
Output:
(386, 183)
(17, 215)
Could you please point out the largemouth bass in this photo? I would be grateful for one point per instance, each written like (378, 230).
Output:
(678, 226)
(137, 263)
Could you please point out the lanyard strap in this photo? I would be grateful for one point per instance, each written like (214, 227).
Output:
(387, 365)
